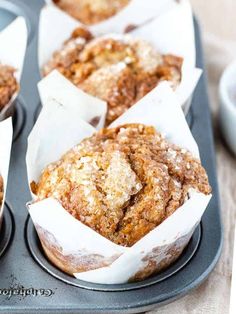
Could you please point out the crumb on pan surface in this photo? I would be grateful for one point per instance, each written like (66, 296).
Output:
(8, 84)
(91, 11)
(123, 182)
(1, 190)
(118, 69)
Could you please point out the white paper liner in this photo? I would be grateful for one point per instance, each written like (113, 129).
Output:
(75, 244)
(13, 41)
(51, 33)
(137, 12)
(5, 147)
(65, 132)
(89, 108)
(172, 32)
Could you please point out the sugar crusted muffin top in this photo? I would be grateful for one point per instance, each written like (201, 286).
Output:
(91, 11)
(118, 69)
(8, 84)
(123, 182)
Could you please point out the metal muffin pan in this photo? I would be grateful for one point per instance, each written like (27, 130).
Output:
(7, 229)
(28, 281)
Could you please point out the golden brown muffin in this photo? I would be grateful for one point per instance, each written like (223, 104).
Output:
(8, 84)
(91, 11)
(123, 182)
(1, 190)
(118, 69)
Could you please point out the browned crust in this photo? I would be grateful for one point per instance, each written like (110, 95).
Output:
(8, 84)
(118, 71)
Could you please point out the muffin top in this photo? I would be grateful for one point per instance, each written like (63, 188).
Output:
(115, 68)
(91, 11)
(8, 84)
(123, 182)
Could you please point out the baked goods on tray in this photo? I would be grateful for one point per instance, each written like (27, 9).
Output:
(115, 68)
(123, 182)
(8, 84)
(91, 11)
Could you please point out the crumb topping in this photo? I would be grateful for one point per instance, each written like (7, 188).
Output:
(91, 11)
(123, 182)
(118, 69)
(8, 84)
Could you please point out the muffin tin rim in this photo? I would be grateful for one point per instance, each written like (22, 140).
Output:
(36, 251)
(18, 117)
(8, 224)
(20, 9)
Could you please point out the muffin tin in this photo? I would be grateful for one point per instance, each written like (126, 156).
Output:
(7, 229)
(29, 283)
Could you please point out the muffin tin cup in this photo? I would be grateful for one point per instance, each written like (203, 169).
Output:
(8, 110)
(19, 117)
(97, 259)
(17, 111)
(7, 227)
(37, 251)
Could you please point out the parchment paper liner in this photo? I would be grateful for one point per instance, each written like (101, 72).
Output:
(136, 13)
(13, 41)
(5, 147)
(74, 247)
(89, 108)
(171, 32)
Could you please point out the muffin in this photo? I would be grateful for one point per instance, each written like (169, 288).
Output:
(8, 84)
(1, 190)
(117, 69)
(123, 182)
(91, 11)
